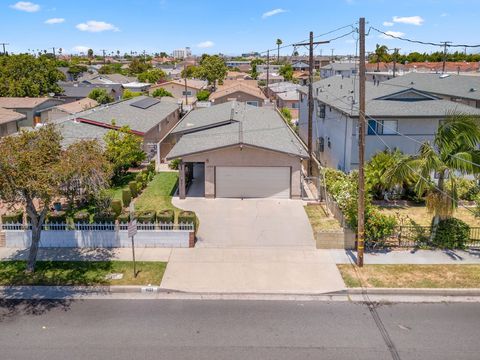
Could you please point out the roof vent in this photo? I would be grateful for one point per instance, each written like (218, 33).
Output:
(443, 76)
(473, 89)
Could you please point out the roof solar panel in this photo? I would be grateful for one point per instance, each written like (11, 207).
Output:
(145, 103)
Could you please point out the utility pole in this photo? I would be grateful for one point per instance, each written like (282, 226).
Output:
(144, 56)
(310, 97)
(54, 55)
(268, 68)
(445, 44)
(332, 54)
(186, 88)
(3, 45)
(361, 149)
(395, 52)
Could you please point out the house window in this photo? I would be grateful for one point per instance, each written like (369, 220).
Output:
(320, 110)
(382, 127)
(253, 103)
(188, 93)
(294, 105)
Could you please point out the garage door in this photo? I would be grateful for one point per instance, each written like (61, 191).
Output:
(252, 182)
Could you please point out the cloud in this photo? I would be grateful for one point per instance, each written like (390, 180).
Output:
(387, 23)
(393, 33)
(80, 48)
(54, 21)
(273, 12)
(206, 44)
(410, 20)
(26, 6)
(96, 26)
(444, 14)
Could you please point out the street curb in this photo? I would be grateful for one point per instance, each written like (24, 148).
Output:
(414, 291)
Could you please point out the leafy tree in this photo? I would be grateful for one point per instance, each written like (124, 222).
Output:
(253, 72)
(33, 168)
(381, 54)
(163, 54)
(123, 149)
(138, 66)
(203, 95)
(152, 76)
(101, 96)
(129, 94)
(287, 72)
(161, 92)
(213, 69)
(279, 42)
(26, 75)
(191, 72)
(90, 53)
(76, 70)
(114, 68)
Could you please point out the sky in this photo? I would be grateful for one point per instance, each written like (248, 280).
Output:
(230, 27)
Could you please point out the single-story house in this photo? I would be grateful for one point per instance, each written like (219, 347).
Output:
(136, 86)
(30, 107)
(9, 121)
(235, 150)
(177, 87)
(272, 78)
(74, 91)
(236, 75)
(238, 91)
(107, 79)
(285, 94)
(60, 111)
(300, 66)
(345, 69)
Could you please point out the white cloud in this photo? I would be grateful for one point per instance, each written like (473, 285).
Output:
(410, 20)
(393, 33)
(444, 14)
(96, 26)
(206, 44)
(273, 12)
(387, 23)
(80, 49)
(54, 21)
(26, 6)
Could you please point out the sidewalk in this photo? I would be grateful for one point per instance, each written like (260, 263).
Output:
(423, 257)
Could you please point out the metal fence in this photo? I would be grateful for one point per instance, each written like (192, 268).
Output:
(101, 227)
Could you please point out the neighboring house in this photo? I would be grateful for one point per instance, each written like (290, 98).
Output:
(300, 66)
(241, 64)
(273, 89)
(60, 111)
(338, 68)
(262, 68)
(301, 77)
(239, 151)
(77, 91)
(106, 79)
(137, 86)
(30, 107)
(285, 94)
(239, 91)
(9, 121)
(237, 75)
(177, 87)
(318, 61)
(147, 117)
(390, 110)
(272, 78)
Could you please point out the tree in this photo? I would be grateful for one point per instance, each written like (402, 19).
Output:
(152, 76)
(138, 66)
(161, 92)
(129, 94)
(76, 69)
(454, 150)
(279, 42)
(190, 72)
(123, 149)
(33, 167)
(101, 96)
(163, 54)
(203, 95)
(26, 75)
(381, 54)
(213, 69)
(287, 72)
(90, 53)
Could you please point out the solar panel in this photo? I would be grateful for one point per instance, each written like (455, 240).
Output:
(145, 103)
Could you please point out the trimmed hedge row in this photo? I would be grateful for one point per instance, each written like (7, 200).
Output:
(12, 218)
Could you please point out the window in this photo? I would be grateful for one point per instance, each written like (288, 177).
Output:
(188, 93)
(253, 103)
(294, 105)
(382, 127)
(320, 110)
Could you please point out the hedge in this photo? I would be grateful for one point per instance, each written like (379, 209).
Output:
(187, 217)
(57, 217)
(126, 197)
(117, 206)
(452, 234)
(106, 217)
(151, 167)
(133, 186)
(123, 218)
(81, 217)
(166, 216)
(146, 216)
(11, 218)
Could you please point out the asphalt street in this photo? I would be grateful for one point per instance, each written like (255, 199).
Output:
(214, 329)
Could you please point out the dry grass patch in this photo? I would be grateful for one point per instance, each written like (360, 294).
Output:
(420, 215)
(411, 276)
(319, 219)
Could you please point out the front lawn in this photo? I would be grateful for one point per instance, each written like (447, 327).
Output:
(115, 191)
(411, 276)
(319, 219)
(158, 194)
(56, 273)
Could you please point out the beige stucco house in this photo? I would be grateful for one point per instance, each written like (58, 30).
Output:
(9, 121)
(238, 91)
(177, 87)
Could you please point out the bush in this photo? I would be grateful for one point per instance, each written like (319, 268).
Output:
(166, 216)
(126, 197)
(151, 167)
(133, 186)
(467, 190)
(203, 95)
(452, 234)
(146, 216)
(12, 218)
(187, 217)
(141, 180)
(378, 226)
(174, 164)
(57, 217)
(117, 206)
(81, 217)
(105, 217)
(123, 218)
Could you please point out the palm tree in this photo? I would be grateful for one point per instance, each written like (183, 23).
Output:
(381, 52)
(279, 43)
(454, 151)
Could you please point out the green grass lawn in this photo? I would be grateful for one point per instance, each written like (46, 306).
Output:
(81, 273)
(411, 276)
(158, 194)
(116, 189)
(319, 219)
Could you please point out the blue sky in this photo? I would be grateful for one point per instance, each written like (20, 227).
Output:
(230, 27)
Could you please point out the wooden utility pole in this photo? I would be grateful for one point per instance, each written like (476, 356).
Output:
(4, 44)
(268, 68)
(186, 87)
(445, 44)
(361, 149)
(310, 97)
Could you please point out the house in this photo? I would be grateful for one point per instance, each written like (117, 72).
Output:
(262, 68)
(346, 69)
(9, 121)
(390, 110)
(60, 111)
(240, 64)
(106, 79)
(72, 92)
(136, 86)
(31, 108)
(235, 150)
(177, 87)
(150, 118)
(236, 75)
(300, 66)
(238, 91)
(285, 94)
(301, 77)
(272, 78)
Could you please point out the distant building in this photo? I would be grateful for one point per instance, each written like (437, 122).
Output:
(60, 111)
(30, 107)
(239, 91)
(340, 68)
(182, 53)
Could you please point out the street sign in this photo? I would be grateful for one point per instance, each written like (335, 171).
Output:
(132, 228)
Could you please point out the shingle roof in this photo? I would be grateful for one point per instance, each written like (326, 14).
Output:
(78, 106)
(339, 66)
(77, 90)
(236, 123)
(283, 86)
(191, 83)
(237, 87)
(21, 102)
(7, 116)
(289, 95)
(73, 131)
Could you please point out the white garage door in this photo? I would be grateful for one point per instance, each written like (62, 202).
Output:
(252, 182)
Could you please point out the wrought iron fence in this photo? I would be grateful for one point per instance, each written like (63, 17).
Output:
(101, 226)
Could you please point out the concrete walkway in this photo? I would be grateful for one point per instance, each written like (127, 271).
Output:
(410, 257)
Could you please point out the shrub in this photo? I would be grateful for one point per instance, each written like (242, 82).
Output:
(81, 217)
(126, 197)
(146, 216)
(151, 167)
(12, 218)
(123, 218)
(161, 92)
(187, 217)
(166, 216)
(141, 181)
(467, 190)
(57, 217)
(452, 233)
(203, 95)
(105, 217)
(174, 164)
(133, 186)
(117, 206)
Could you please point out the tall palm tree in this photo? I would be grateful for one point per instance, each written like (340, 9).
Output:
(279, 43)
(454, 151)
(381, 52)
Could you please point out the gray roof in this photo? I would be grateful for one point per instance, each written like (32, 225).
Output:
(464, 86)
(283, 87)
(73, 131)
(339, 66)
(383, 100)
(289, 95)
(79, 90)
(260, 127)
(107, 79)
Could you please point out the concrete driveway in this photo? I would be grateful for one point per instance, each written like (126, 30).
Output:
(235, 223)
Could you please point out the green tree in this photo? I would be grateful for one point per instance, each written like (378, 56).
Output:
(26, 75)
(212, 69)
(203, 95)
(152, 76)
(101, 96)
(287, 72)
(138, 66)
(76, 69)
(123, 149)
(381, 54)
(33, 168)
(90, 53)
(279, 42)
(161, 92)
(129, 94)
